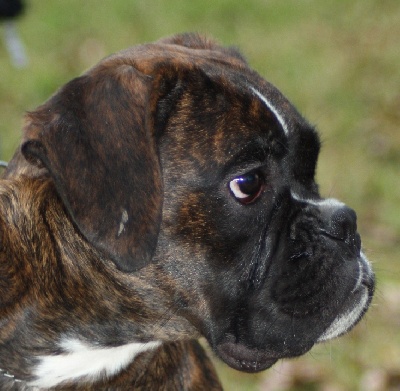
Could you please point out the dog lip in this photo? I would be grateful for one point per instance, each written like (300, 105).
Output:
(242, 358)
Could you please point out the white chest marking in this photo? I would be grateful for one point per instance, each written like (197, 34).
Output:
(81, 360)
(273, 109)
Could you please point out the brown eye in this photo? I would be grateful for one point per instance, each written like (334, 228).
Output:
(247, 188)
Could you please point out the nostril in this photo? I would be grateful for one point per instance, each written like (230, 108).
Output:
(342, 225)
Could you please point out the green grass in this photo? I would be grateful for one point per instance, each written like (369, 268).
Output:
(337, 60)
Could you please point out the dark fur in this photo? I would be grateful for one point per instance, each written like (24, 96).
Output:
(157, 132)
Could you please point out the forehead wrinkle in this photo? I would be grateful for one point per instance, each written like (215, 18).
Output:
(251, 155)
(273, 109)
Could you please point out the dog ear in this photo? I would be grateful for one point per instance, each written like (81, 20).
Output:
(95, 137)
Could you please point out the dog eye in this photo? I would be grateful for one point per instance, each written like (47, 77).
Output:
(247, 188)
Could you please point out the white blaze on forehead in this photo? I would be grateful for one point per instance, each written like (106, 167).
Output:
(273, 109)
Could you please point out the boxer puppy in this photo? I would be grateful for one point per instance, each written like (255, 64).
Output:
(165, 195)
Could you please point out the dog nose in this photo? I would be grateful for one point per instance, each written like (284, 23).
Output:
(342, 225)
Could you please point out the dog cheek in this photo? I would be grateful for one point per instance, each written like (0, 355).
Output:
(194, 225)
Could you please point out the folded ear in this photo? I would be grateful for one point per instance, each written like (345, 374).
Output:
(95, 137)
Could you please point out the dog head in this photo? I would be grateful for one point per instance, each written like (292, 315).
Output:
(177, 156)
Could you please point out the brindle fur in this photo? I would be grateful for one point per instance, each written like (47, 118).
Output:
(54, 280)
(117, 225)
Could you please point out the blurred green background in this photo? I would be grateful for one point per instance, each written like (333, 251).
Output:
(338, 61)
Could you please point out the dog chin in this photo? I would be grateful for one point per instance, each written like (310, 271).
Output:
(242, 358)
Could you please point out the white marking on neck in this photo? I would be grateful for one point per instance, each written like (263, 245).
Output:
(124, 220)
(273, 109)
(81, 360)
(328, 202)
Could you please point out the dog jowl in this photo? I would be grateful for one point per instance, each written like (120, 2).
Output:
(165, 195)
